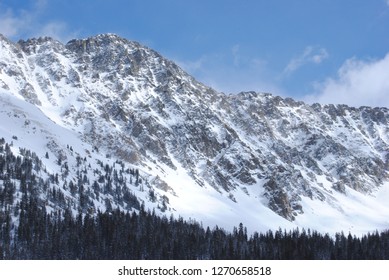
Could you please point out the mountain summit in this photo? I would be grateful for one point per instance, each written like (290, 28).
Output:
(222, 159)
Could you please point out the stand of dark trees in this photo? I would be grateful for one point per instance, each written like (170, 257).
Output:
(144, 235)
(28, 230)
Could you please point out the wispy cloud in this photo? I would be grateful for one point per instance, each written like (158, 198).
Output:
(11, 24)
(192, 66)
(232, 71)
(58, 30)
(358, 83)
(315, 55)
(236, 55)
(15, 24)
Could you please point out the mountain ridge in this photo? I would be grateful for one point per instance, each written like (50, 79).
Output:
(251, 148)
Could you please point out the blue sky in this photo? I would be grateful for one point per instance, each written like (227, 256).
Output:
(328, 51)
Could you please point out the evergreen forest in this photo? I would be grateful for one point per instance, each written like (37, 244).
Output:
(30, 228)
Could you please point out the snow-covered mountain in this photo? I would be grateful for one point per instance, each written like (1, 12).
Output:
(108, 103)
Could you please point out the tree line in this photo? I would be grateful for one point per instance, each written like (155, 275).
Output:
(38, 222)
(144, 235)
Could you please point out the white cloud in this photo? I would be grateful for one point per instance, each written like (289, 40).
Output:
(358, 83)
(192, 66)
(310, 54)
(57, 30)
(232, 71)
(11, 24)
(16, 24)
(235, 54)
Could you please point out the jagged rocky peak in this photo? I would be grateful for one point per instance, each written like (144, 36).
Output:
(41, 45)
(116, 48)
(8, 47)
(4, 40)
(101, 42)
(143, 108)
(109, 52)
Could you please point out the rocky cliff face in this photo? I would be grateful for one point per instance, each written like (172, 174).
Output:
(129, 101)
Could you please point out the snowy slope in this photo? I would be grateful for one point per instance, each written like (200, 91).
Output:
(220, 159)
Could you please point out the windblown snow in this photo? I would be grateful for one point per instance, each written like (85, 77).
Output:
(219, 159)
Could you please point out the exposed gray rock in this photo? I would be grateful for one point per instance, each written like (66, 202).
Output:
(129, 100)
